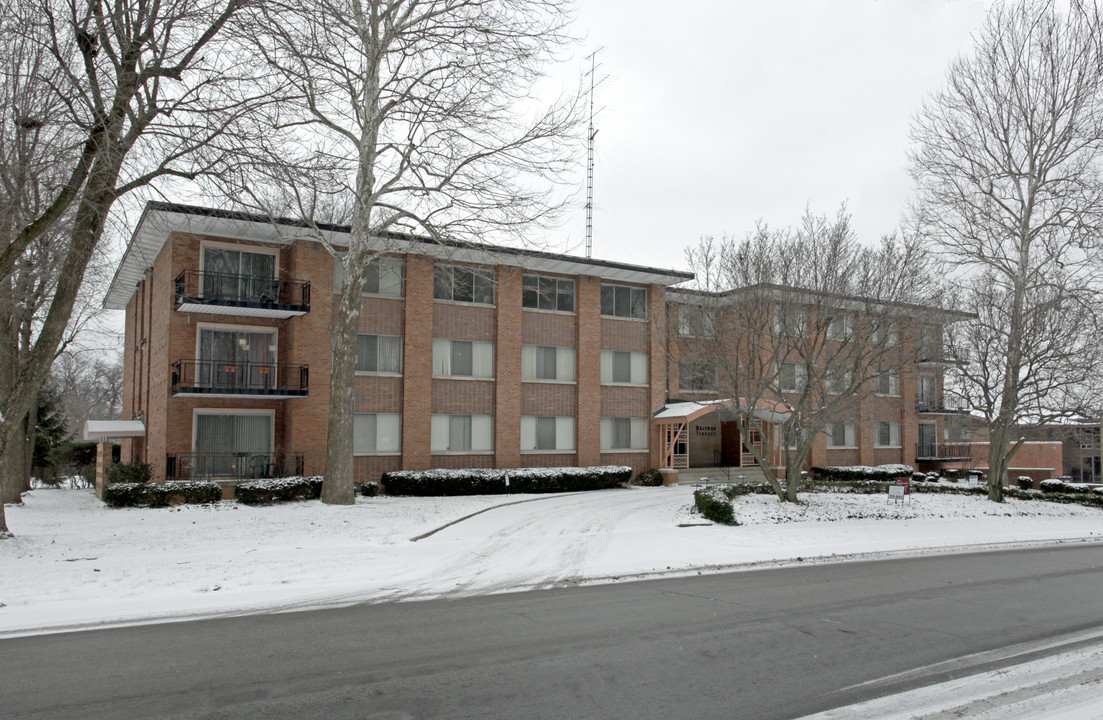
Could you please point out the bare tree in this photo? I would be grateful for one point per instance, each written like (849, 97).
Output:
(128, 92)
(415, 116)
(804, 324)
(1009, 192)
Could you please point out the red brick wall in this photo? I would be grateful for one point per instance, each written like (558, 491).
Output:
(588, 357)
(417, 358)
(507, 359)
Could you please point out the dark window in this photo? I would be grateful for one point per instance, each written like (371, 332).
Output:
(545, 293)
(623, 301)
(461, 284)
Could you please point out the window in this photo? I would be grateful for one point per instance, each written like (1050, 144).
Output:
(239, 275)
(623, 367)
(461, 433)
(546, 293)
(463, 284)
(382, 276)
(698, 375)
(463, 358)
(886, 333)
(236, 360)
(841, 435)
(547, 362)
(696, 321)
(927, 397)
(223, 442)
(887, 383)
(791, 377)
(623, 433)
(547, 433)
(376, 432)
(623, 301)
(888, 433)
(837, 381)
(789, 322)
(928, 345)
(840, 327)
(379, 353)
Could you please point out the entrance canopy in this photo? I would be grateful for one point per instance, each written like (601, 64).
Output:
(101, 430)
(688, 411)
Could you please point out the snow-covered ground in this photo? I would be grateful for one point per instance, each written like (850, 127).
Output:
(76, 563)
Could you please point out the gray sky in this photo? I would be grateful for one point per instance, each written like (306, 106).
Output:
(717, 114)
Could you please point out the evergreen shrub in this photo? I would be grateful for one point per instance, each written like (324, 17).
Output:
(714, 504)
(257, 492)
(128, 473)
(485, 481)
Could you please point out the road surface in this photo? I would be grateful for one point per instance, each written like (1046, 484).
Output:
(778, 643)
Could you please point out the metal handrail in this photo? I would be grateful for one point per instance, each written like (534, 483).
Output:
(235, 376)
(214, 288)
(233, 466)
(943, 451)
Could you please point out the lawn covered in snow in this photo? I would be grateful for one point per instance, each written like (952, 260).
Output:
(76, 563)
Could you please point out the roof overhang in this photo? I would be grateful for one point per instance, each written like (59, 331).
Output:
(101, 430)
(159, 220)
(688, 411)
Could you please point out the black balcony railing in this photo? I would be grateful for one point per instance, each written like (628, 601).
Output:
(232, 466)
(222, 377)
(242, 291)
(943, 451)
(933, 403)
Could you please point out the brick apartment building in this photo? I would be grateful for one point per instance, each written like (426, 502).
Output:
(468, 356)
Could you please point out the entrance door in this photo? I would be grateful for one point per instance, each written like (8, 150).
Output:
(232, 445)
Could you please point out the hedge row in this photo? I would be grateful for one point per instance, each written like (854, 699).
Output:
(714, 504)
(256, 492)
(161, 494)
(496, 482)
(849, 473)
(128, 473)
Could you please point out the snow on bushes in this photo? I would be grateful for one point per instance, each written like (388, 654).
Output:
(255, 492)
(161, 494)
(485, 481)
(850, 473)
(714, 503)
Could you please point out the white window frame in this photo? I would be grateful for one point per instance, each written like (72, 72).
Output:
(440, 434)
(840, 327)
(557, 281)
(565, 364)
(850, 436)
(227, 327)
(696, 321)
(790, 321)
(564, 434)
(887, 383)
(800, 378)
(442, 358)
(709, 371)
(204, 244)
(234, 411)
(836, 381)
(631, 291)
(637, 368)
(892, 429)
(380, 373)
(487, 275)
(638, 429)
(396, 434)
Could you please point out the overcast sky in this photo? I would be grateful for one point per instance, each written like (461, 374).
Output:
(717, 114)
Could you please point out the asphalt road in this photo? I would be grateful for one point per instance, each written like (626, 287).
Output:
(766, 644)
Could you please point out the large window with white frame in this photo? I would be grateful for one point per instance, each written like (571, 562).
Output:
(696, 376)
(463, 358)
(232, 444)
(461, 433)
(376, 433)
(458, 283)
(623, 301)
(239, 275)
(552, 363)
(539, 432)
(696, 321)
(539, 292)
(840, 326)
(842, 435)
(379, 354)
(383, 276)
(789, 321)
(792, 377)
(887, 382)
(623, 433)
(623, 367)
(888, 433)
(838, 380)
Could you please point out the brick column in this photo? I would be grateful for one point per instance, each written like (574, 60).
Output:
(909, 415)
(864, 430)
(507, 370)
(588, 415)
(417, 363)
(656, 313)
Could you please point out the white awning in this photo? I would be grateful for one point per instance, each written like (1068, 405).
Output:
(100, 430)
(689, 410)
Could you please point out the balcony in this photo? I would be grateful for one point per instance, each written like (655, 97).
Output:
(232, 466)
(219, 378)
(940, 404)
(249, 295)
(943, 452)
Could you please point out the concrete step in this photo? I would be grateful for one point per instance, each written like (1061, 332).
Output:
(714, 476)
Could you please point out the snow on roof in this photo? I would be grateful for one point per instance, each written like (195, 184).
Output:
(105, 429)
(691, 410)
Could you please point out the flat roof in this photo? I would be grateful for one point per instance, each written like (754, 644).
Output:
(106, 429)
(160, 219)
